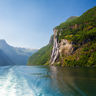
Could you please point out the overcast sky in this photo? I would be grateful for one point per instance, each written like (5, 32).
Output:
(30, 23)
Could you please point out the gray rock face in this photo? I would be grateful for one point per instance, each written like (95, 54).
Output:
(60, 48)
(65, 47)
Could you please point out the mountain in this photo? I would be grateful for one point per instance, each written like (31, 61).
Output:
(42, 57)
(4, 59)
(18, 55)
(74, 42)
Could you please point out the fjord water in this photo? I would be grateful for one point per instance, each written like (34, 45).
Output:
(47, 81)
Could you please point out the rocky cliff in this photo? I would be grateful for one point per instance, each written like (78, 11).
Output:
(64, 47)
(75, 40)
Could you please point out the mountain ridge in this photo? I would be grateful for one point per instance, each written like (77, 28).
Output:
(18, 55)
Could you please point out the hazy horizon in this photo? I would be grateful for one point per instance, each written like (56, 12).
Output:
(30, 23)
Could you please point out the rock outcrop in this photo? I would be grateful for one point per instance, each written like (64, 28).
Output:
(64, 47)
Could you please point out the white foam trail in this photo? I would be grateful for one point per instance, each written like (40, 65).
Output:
(10, 85)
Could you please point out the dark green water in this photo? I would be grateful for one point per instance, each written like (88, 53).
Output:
(76, 81)
(47, 81)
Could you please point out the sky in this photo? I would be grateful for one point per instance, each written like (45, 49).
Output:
(30, 23)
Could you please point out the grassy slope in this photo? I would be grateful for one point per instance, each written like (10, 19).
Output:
(80, 29)
(42, 57)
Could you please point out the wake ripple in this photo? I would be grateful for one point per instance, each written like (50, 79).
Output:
(12, 84)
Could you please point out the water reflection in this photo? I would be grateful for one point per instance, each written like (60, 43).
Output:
(74, 81)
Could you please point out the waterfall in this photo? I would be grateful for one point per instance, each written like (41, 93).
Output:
(55, 50)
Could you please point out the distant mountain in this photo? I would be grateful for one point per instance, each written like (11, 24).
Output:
(18, 55)
(4, 59)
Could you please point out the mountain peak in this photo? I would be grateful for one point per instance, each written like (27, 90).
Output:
(72, 18)
(3, 41)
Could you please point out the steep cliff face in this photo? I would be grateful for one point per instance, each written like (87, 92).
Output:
(75, 41)
(64, 47)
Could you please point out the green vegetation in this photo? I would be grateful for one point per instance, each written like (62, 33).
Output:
(82, 32)
(42, 57)
(79, 28)
(71, 18)
(85, 56)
